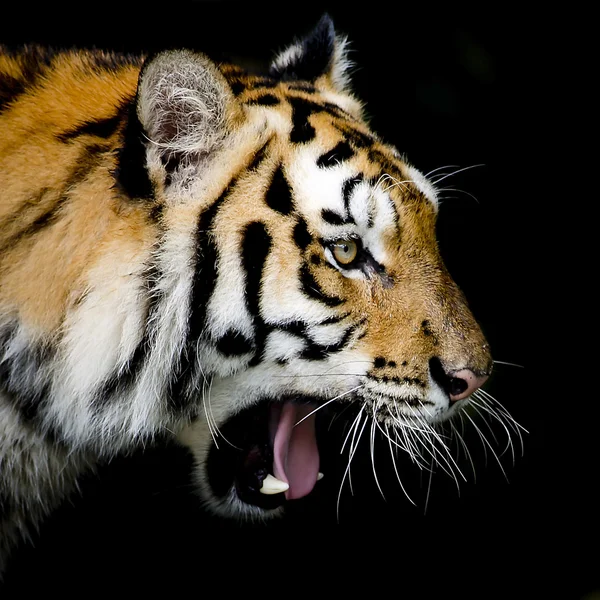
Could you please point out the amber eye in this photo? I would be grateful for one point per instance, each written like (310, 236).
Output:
(344, 251)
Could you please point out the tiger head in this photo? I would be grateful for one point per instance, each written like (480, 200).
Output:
(316, 273)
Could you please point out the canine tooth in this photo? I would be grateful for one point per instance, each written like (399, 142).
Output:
(319, 476)
(271, 485)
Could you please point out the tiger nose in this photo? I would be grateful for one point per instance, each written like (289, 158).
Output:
(457, 384)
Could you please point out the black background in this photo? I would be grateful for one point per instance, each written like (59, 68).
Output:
(440, 84)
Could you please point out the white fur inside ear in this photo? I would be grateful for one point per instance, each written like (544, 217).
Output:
(287, 58)
(341, 65)
(182, 102)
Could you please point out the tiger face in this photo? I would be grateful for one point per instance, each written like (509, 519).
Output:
(326, 285)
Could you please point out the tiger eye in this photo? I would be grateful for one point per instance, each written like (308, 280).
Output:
(344, 251)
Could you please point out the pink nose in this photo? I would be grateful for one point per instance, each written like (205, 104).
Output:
(463, 383)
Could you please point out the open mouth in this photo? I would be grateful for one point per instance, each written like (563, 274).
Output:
(267, 453)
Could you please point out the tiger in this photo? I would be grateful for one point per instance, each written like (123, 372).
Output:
(195, 250)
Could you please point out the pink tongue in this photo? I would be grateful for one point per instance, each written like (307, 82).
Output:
(296, 458)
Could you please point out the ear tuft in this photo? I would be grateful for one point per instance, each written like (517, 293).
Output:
(319, 53)
(184, 103)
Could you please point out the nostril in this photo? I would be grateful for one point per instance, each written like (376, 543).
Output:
(469, 382)
(457, 386)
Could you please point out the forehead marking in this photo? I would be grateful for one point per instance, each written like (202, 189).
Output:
(339, 153)
(279, 194)
(264, 100)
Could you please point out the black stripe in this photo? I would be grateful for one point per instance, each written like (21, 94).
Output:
(20, 378)
(33, 61)
(205, 275)
(302, 130)
(262, 82)
(10, 89)
(297, 328)
(302, 86)
(302, 108)
(234, 343)
(178, 394)
(341, 152)
(119, 383)
(354, 136)
(321, 352)
(348, 188)
(259, 156)
(28, 210)
(302, 237)
(335, 111)
(113, 61)
(387, 165)
(237, 87)
(314, 351)
(333, 218)
(256, 246)
(88, 160)
(334, 319)
(131, 173)
(102, 128)
(264, 100)
(279, 194)
(313, 290)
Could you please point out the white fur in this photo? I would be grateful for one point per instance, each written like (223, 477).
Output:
(423, 185)
(282, 345)
(227, 306)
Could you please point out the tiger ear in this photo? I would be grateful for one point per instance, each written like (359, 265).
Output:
(185, 106)
(320, 53)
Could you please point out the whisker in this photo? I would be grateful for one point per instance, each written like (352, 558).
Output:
(509, 364)
(440, 168)
(208, 416)
(457, 190)
(312, 412)
(210, 419)
(396, 469)
(447, 451)
(353, 426)
(486, 442)
(428, 487)
(497, 410)
(477, 403)
(350, 457)
(464, 446)
(372, 447)
(456, 173)
(321, 375)
(432, 452)
(497, 406)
